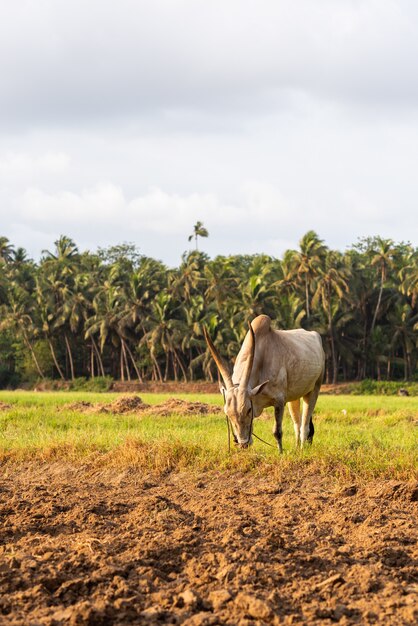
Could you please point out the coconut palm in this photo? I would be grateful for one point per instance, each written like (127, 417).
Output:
(382, 259)
(306, 264)
(6, 250)
(402, 319)
(332, 285)
(198, 231)
(408, 275)
(18, 319)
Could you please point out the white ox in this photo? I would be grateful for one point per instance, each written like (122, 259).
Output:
(273, 367)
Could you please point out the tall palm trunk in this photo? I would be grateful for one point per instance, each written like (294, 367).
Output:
(379, 299)
(157, 367)
(307, 297)
(98, 357)
(125, 359)
(174, 362)
(388, 368)
(405, 361)
(133, 363)
(54, 358)
(70, 356)
(121, 365)
(92, 374)
(180, 364)
(333, 356)
(167, 364)
(32, 351)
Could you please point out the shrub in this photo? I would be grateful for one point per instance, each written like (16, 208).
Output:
(100, 383)
(385, 388)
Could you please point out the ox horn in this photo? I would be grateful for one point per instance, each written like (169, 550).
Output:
(246, 377)
(222, 367)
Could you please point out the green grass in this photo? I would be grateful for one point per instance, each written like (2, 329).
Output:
(376, 436)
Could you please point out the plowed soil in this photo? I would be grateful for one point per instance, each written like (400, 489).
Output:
(85, 546)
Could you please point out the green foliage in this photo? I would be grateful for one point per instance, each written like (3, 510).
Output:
(26, 368)
(385, 388)
(97, 384)
(118, 314)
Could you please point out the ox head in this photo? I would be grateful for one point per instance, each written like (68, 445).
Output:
(238, 397)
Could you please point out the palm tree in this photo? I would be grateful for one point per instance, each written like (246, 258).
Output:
(65, 250)
(402, 320)
(19, 320)
(256, 290)
(306, 263)
(105, 321)
(221, 281)
(6, 250)
(383, 252)
(408, 275)
(165, 334)
(20, 256)
(332, 281)
(198, 231)
(46, 310)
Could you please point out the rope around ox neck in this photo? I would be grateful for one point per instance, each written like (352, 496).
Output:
(251, 429)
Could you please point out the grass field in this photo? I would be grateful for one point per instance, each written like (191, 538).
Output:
(367, 435)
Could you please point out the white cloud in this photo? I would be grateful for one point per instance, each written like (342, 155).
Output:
(21, 166)
(103, 203)
(156, 211)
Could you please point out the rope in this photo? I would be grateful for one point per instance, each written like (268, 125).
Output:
(251, 429)
(266, 442)
(229, 435)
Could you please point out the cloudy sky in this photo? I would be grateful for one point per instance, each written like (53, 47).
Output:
(130, 120)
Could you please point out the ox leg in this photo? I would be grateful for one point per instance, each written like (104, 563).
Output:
(294, 410)
(278, 420)
(307, 427)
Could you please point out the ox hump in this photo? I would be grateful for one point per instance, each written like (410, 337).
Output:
(261, 324)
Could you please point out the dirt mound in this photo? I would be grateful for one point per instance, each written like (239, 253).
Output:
(134, 404)
(125, 404)
(172, 406)
(90, 546)
(175, 406)
(80, 406)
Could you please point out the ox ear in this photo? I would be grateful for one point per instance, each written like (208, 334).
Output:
(259, 388)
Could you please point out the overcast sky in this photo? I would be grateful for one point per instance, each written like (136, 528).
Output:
(130, 120)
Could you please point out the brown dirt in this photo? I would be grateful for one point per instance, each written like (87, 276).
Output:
(175, 406)
(81, 406)
(83, 546)
(124, 404)
(338, 389)
(4, 406)
(134, 404)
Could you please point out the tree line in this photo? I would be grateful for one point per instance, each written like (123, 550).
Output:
(115, 312)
